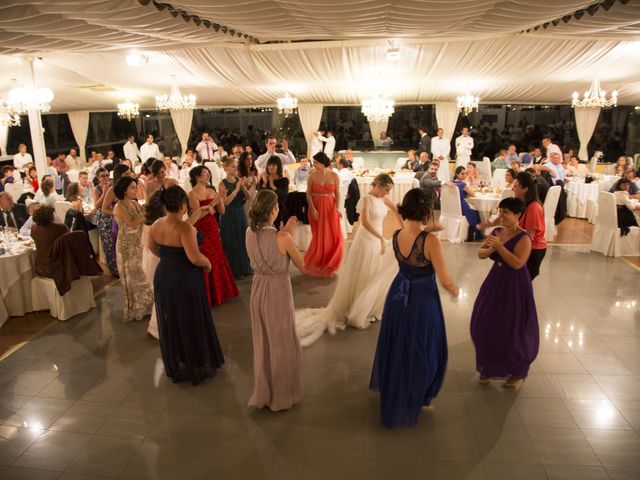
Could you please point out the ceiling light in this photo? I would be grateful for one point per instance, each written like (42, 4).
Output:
(377, 109)
(22, 100)
(175, 100)
(136, 59)
(468, 103)
(393, 52)
(595, 97)
(287, 104)
(128, 109)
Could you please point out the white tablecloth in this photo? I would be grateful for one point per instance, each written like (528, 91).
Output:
(16, 272)
(402, 184)
(579, 195)
(484, 203)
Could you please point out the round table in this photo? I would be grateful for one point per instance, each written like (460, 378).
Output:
(402, 184)
(484, 203)
(16, 272)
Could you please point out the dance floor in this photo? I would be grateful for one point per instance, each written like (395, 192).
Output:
(88, 398)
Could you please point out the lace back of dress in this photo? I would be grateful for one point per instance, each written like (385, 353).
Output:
(416, 257)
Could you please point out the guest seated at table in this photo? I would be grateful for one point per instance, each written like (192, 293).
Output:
(86, 189)
(473, 177)
(575, 168)
(500, 161)
(621, 165)
(47, 194)
(11, 215)
(625, 207)
(634, 189)
(529, 156)
(62, 180)
(516, 166)
(172, 169)
(25, 229)
(301, 175)
(411, 160)
(512, 154)
(44, 233)
(158, 178)
(384, 141)
(7, 176)
(32, 179)
(73, 161)
(423, 163)
(509, 177)
(75, 216)
(273, 179)
(466, 191)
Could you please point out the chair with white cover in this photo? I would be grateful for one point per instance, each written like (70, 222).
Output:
(498, 179)
(290, 170)
(302, 236)
(45, 296)
(15, 189)
(455, 224)
(61, 209)
(550, 205)
(344, 223)
(216, 175)
(401, 163)
(606, 237)
(485, 171)
(357, 163)
(73, 175)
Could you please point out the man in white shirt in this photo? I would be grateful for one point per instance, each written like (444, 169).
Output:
(384, 141)
(441, 149)
(464, 146)
(149, 149)
(86, 188)
(288, 154)
(73, 160)
(551, 147)
(261, 162)
(188, 162)
(554, 167)
(343, 171)
(316, 143)
(219, 154)
(206, 148)
(131, 150)
(512, 154)
(302, 173)
(330, 144)
(22, 159)
(171, 168)
(98, 162)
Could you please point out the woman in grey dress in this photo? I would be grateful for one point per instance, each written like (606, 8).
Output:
(277, 356)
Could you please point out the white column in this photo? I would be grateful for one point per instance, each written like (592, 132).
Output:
(35, 122)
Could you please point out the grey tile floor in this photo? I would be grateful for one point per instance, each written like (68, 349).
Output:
(88, 399)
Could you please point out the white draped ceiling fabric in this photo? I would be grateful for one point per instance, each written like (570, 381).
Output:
(447, 117)
(80, 127)
(475, 46)
(310, 115)
(182, 120)
(586, 119)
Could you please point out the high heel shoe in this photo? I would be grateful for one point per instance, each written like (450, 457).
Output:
(484, 380)
(513, 382)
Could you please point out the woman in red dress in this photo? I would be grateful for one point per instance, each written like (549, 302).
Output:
(325, 253)
(219, 282)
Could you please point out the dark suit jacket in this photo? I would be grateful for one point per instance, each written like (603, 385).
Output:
(19, 214)
(70, 257)
(425, 144)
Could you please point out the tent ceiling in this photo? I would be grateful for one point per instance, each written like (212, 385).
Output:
(446, 47)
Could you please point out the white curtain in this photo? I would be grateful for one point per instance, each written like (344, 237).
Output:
(80, 127)
(446, 118)
(586, 119)
(4, 138)
(182, 120)
(376, 127)
(310, 115)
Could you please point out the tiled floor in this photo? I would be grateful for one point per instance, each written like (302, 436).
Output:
(88, 398)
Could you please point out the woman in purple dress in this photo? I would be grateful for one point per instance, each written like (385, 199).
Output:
(504, 322)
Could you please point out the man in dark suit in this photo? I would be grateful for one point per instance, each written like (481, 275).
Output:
(11, 215)
(425, 141)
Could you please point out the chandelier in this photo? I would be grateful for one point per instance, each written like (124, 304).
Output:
(22, 100)
(595, 97)
(287, 104)
(175, 100)
(377, 109)
(468, 103)
(128, 109)
(8, 117)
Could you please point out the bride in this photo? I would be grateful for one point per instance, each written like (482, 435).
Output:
(364, 278)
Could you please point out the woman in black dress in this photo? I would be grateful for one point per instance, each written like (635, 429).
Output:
(274, 180)
(188, 339)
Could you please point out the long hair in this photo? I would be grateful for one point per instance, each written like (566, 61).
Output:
(243, 170)
(275, 160)
(261, 208)
(528, 181)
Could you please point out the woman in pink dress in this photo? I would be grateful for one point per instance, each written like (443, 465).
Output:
(325, 253)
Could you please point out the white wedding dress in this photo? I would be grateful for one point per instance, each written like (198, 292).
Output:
(363, 282)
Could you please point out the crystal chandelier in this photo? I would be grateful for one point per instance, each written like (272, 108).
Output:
(22, 100)
(377, 109)
(468, 103)
(595, 97)
(175, 100)
(128, 109)
(287, 104)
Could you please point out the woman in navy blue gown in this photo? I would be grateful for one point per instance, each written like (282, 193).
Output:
(504, 322)
(188, 339)
(411, 356)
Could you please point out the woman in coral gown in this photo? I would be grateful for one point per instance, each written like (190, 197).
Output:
(324, 255)
(220, 283)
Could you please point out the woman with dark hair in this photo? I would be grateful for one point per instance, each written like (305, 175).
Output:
(153, 210)
(220, 284)
(532, 220)
(158, 178)
(188, 339)
(277, 356)
(369, 269)
(625, 208)
(248, 172)
(273, 179)
(47, 194)
(411, 356)
(44, 232)
(509, 177)
(504, 322)
(138, 296)
(472, 216)
(324, 255)
(32, 178)
(74, 218)
(104, 219)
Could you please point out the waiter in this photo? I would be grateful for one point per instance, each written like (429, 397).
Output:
(440, 149)
(464, 146)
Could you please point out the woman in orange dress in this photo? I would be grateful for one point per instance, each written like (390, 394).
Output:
(324, 255)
